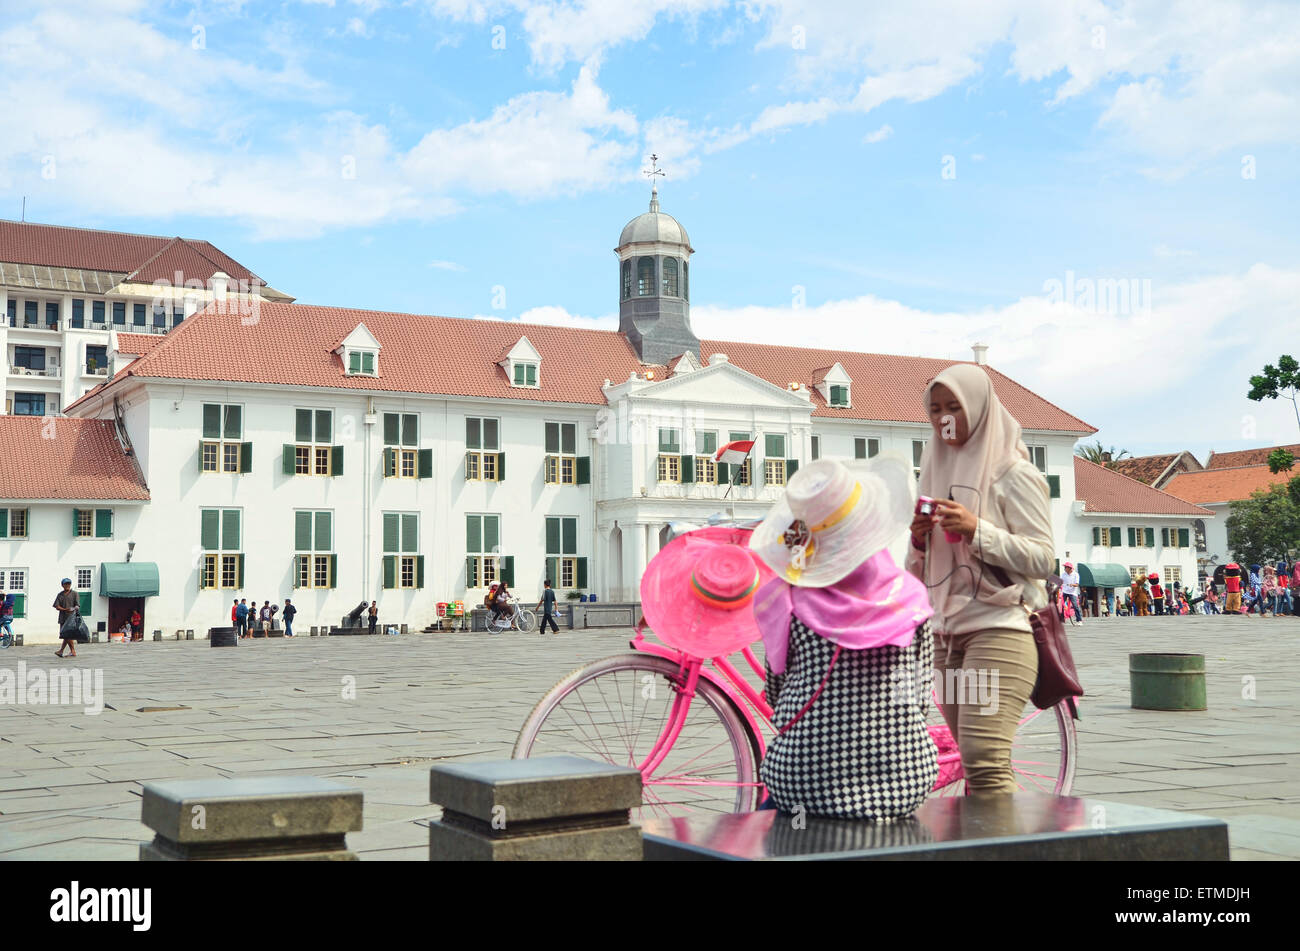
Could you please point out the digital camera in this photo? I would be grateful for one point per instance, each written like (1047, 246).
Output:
(924, 505)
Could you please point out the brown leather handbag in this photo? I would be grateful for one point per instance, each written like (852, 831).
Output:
(1058, 678)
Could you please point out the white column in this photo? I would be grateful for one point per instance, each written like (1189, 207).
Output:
(633, 559)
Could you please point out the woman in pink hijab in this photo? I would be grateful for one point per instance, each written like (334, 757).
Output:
(987, 547)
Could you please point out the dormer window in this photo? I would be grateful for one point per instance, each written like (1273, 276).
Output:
(361, 363)
(522, 364)
(839, 395)
(359, 351)
(834, 385)
(525, 374)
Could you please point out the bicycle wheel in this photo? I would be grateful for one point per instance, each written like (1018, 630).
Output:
(1044, 752)
(616, 709)
(527, 621)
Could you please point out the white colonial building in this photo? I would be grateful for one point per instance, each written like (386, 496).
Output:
(64, 290)
(415, 459)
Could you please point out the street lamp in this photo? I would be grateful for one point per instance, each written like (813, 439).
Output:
(130, 549)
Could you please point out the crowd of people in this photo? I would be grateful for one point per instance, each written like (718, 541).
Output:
(247, 618)
(1261, 590)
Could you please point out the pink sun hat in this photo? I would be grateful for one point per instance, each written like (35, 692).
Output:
(697, 594)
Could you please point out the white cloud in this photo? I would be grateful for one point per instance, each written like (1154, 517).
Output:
(446, 266)
(884, 132)
(357, 27)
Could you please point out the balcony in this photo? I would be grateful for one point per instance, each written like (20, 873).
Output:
(52, 372)
(23, 323)
(96, 371)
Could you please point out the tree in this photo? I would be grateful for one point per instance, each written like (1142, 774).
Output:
(1282, 380)
(1096, 453)
(1279, 460)
(1293, 490)
(1265, 526)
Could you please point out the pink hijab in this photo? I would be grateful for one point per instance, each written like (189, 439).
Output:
(876, 605)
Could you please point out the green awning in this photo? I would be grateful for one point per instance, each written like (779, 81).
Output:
(128, 579)
(1104, 576)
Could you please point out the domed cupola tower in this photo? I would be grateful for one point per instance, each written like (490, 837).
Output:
(654, 286)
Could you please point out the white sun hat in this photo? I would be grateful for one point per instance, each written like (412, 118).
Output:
(834, 516)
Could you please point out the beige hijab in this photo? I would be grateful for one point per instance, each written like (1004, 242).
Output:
(993, 448)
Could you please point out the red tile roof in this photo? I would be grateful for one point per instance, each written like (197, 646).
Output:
(1225, 485)
(884, 387)
(55, 246)
(56, 457)
(1246, 457)
(457, 357)
(1143, 468)
(1104, 490)
(137, 344)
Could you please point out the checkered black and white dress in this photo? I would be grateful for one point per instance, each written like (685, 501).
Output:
(862, 751)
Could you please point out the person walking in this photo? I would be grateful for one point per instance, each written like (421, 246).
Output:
(66, 603)
(1295, 588)
(288, 613)
(1070, 589)
(234, 614)
(980, 584)
(548, 604)
(265, 617)
(374, 615)
(1284, 587)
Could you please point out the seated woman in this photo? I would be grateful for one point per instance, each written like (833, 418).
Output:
(501, 606)
(848, 647)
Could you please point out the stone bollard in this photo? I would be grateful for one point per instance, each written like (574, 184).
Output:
(189, 633)
(254, 817)
(558, 808)
(157, 635)
(403, 628)
(222, 637)
(180, 633)
(18, 640)
(314, 631)
(94, 637)
(1167, 681)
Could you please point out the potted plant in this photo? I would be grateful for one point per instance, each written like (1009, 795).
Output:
(92, 364)
(574, 596)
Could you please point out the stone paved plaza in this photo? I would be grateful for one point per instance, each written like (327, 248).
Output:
(70, 783)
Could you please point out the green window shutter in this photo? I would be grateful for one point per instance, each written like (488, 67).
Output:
(76, 520)
(1054, 486)
(773, 446)
(390, 462)
(302, 425)
(336, 462)
(296, 563)
(4, 523)
(519, 374)
(1114, 538)
(501, 467)
(410, 534)
(582, 572)
(392, 427)
(230, 530)
(211, 421)
(1164, 537)
(569, 541)
(392, 529)
(506, 569)
(1132, 537)
(200, 456)
(324, 540)
(103, 523)
(83, 602)
(288, 459)
(210, 529)
(334, 571)
(390, 571)
(324, 421)
(245, 457)
(473, 426)
(553, 571)
(20, 605)
(859, 448)
(491, 533)
(1096, 533)
(234, 422)
(1151, 538)
(419, 571)
(688, 470)
(724, 473)
(1183, 538)
(368, 366)
(707, 443)
(425, 470)
(552, 537)
(791, 467)
(552, 437)
(354, 362)
(469, 572)
(531, 374)
(473, 533)
(584, 470)
(410, 429)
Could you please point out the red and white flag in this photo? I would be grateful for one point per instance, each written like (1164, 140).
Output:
(735, 453)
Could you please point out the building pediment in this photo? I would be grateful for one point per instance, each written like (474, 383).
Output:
(721, 383)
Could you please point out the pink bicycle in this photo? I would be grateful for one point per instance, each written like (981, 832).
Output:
(697, 733)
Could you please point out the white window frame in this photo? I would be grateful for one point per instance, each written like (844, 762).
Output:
(313, 447)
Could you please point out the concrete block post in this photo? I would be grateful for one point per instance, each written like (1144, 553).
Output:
(256, 817)
(553, 808)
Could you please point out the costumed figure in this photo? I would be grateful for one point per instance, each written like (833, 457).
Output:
(1157, 592)
(1232, 584)
(1141, 602)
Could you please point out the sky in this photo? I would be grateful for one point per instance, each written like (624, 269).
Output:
(1103, 192)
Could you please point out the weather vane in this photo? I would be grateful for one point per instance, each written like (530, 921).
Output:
(654, 168)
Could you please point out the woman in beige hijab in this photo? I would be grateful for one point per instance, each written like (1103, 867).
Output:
(992, 513)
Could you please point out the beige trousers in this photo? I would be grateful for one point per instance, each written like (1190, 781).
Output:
(983, 721)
